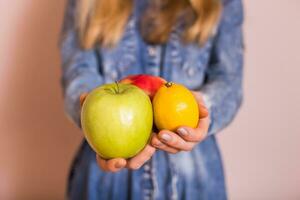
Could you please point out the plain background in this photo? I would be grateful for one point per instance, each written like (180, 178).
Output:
(261, 148)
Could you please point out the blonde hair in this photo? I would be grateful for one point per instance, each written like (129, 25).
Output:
(103, 21)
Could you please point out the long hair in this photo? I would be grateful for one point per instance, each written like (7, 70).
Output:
(102, 21)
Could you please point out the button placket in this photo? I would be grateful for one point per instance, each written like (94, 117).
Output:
(113, 75)
(128, 50)
(176, 58)
(152, 51)
(152, 66)
(148, 187)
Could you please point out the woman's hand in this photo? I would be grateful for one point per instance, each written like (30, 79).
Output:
(116, 164)
(185, 138)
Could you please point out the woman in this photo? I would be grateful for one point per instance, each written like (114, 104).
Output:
(194, 42)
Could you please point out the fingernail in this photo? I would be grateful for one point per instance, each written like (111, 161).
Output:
(158, 144)
(118, 165)
(166, 137)
(183, 131)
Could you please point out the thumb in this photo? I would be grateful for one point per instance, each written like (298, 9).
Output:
(203, 111)
(82, 98)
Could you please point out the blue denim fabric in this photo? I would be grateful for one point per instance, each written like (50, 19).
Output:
(215, 69)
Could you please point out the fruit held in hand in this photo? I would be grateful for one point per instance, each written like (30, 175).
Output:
(150, 84)
(174, 106)
(117, 120)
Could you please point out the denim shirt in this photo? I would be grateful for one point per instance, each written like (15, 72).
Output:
(214, 69)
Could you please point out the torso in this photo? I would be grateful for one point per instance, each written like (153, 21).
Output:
(188, 175)
(174, 61)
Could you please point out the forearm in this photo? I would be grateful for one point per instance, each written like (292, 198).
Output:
(222, 89)
(80, 75)
(80, 68)
(80, 84)
(223, 100)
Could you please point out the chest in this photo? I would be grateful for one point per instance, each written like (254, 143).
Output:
(174, 61)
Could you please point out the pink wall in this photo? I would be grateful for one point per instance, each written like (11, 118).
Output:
(37, 141)
(261, 148)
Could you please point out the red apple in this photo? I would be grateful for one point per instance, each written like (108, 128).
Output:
(148, 83)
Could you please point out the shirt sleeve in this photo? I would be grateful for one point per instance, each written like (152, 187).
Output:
(80, 68)
(222, 90)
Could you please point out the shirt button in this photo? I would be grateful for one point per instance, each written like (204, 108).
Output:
(151, 51)
(147, 167)
(113, 74)
(190, 71)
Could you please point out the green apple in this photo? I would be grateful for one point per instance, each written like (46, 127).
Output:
(117, 120)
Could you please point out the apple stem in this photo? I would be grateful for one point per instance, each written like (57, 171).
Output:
(118, 88)
(168, 84)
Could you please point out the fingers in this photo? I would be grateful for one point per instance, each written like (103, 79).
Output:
(175, 141)
(203, 124)
(160, 145)
(116, 164)
(137, 161)
(112, 165)
(102, 163)
(203, 111)
(197, 134)
(82, 98)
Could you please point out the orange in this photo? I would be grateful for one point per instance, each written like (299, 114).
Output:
(174, 105)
